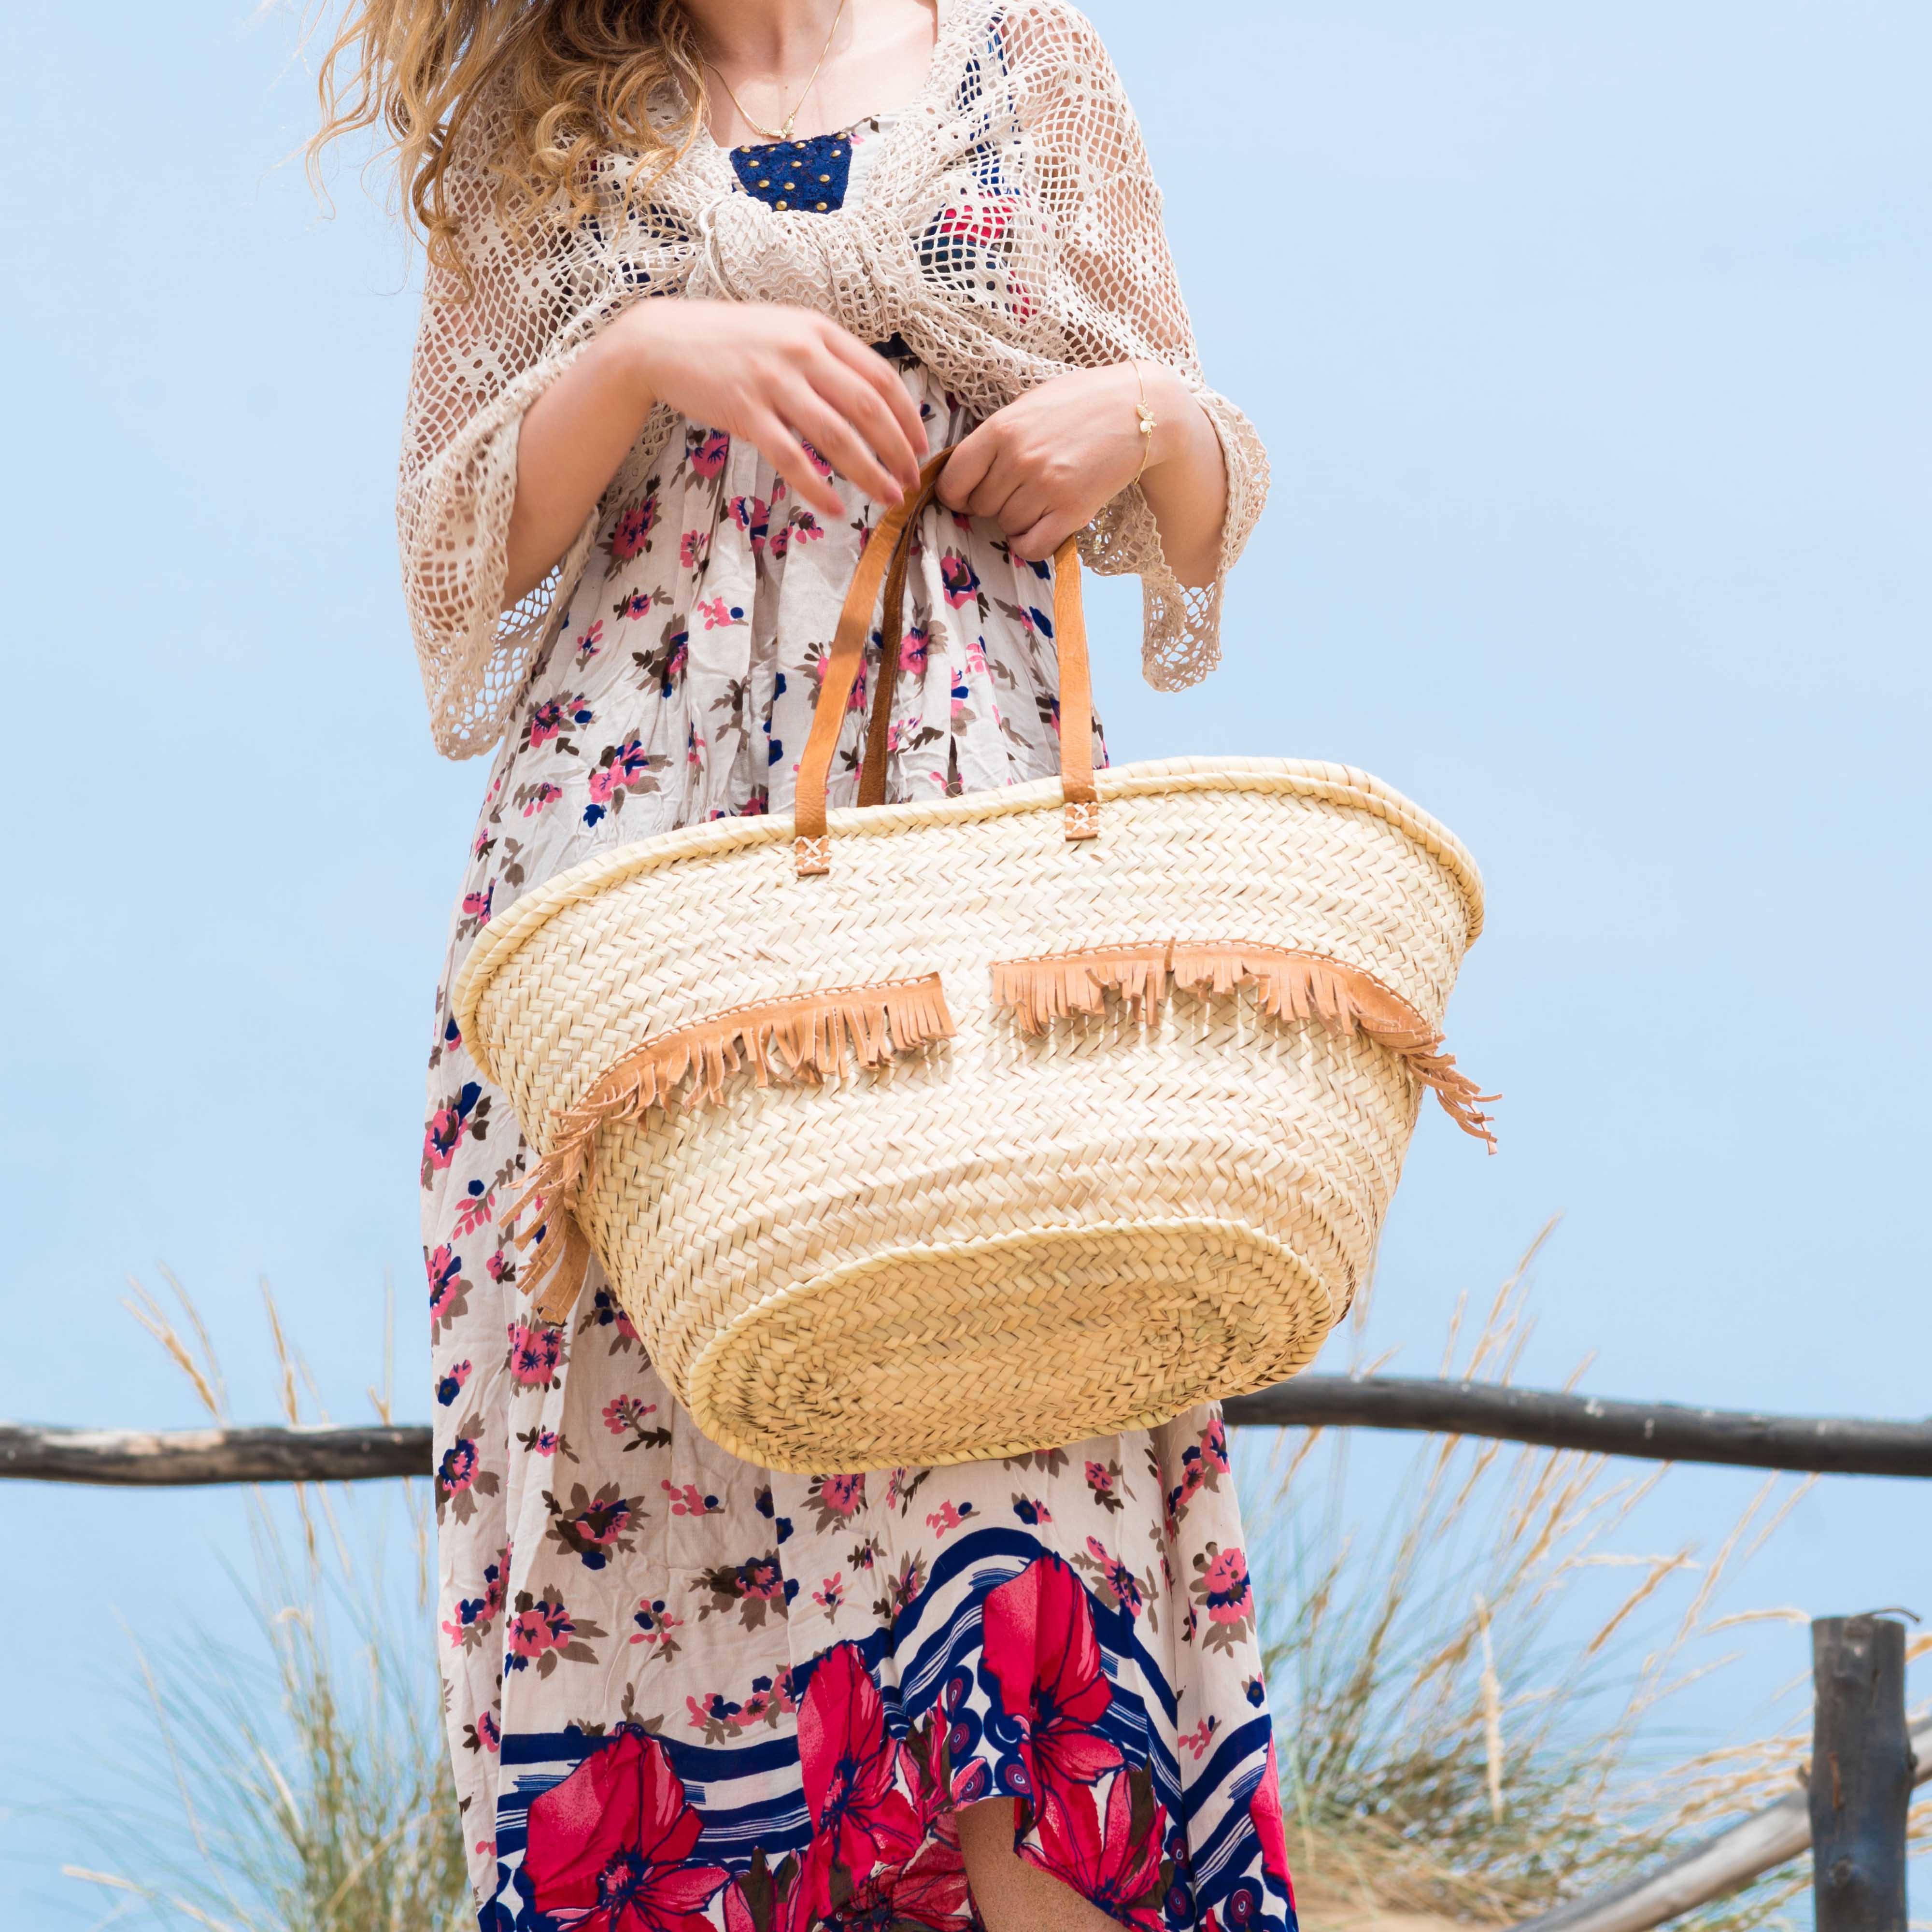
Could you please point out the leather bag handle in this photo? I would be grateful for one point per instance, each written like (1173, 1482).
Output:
(883, 567)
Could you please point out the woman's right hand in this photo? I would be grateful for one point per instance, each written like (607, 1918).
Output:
(778, 377)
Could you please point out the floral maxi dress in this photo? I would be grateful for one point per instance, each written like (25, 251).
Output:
(687, 1694)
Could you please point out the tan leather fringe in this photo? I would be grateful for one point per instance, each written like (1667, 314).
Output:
(1042, 991)
(810, 1032)
(1289, 985)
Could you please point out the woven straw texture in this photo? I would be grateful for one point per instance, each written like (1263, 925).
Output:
(1072, 1225)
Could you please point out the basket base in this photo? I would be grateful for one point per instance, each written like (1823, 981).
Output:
(1072, 1332)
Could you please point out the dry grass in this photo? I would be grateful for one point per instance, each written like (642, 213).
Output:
(1471, 1698)
(308, 1785)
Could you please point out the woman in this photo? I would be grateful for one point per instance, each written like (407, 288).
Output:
(709, 279)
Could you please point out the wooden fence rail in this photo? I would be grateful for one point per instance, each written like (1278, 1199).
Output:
(1656, 1431)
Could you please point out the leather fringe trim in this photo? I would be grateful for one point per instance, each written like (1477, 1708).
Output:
(810, 1033)
(1044, 990)
(1289, 985)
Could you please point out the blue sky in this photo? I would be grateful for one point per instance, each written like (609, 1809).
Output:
(1590, 345)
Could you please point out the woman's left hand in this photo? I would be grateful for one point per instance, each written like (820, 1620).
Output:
(1045, 466)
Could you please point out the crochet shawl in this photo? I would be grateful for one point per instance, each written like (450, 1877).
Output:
(1007, 229)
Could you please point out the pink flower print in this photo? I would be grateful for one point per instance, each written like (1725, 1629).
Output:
(489, 1732)
(543, 1443)
(1119, 1579)
(591, 1527)
(541, 795)
(688, 1500)
(481, 843)
(654, 1624)
(476, 905)
(465, 1113)
(763, 1580)
(1099, 1479)
(1202, 1467)
(914, 647)
(479, 1205)
(960, 580)
(804, 527)
(753, 515)
(628, 1416)
(632, 603)
(708, 458)
(831, 1593)
(1197, 1740)
(535, 1350)
(457, 1469)
(840, 1496)
(780, 542)
(542, 1631)
(450, 1386)
(555, 715)
(590, 643)
(445, 1279)
(716, 1712)
(475, 1614)
(1230, 1600)
(498, 1265)
(632, 532)
(693, 547)
(817, 462)
(976, 658)
(718, 615)
(622, 769)
(947, 1518)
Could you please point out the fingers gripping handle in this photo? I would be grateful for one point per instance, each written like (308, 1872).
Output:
(885, 562)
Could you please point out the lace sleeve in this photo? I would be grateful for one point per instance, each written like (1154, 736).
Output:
(1123, 301)
(493, 336)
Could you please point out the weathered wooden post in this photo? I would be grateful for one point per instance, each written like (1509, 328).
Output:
(1861, 1773)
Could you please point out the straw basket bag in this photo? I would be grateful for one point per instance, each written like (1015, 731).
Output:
(925, 1133)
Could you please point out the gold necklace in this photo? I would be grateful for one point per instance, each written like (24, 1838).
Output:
(783, 133)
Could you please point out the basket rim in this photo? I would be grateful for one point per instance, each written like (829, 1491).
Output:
(1335, 785)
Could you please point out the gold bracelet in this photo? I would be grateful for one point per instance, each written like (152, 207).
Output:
(1147, 424)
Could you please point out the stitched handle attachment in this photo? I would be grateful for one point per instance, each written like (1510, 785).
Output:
(881, 578)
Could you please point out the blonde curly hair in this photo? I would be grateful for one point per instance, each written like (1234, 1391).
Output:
(571, 79)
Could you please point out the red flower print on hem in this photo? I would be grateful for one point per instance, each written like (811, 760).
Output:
(849, 1767)
(613, 1841)
(1040, 1648)
(1264, 1810)
(1111, 1855)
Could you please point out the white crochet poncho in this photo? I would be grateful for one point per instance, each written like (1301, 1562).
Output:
(1008, 230)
